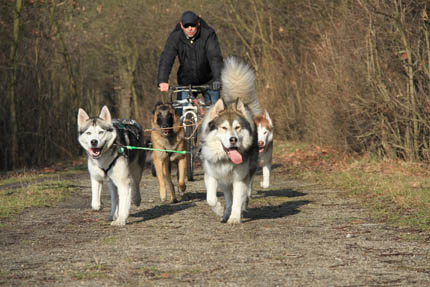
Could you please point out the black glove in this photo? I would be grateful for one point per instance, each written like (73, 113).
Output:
(216, 85)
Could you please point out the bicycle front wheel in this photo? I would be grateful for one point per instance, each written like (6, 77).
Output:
(189, 134)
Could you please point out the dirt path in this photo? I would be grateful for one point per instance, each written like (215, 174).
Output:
(295, 234)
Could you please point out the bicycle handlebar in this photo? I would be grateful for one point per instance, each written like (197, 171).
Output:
(190, 88)
(192, 99)
(180, 103)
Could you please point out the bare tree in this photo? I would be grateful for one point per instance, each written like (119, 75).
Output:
(12, 84)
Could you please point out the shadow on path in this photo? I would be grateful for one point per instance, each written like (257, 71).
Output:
(276, 211)
(160, 210)
(279, 193)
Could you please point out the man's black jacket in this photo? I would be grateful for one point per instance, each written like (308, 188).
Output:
(200, 58)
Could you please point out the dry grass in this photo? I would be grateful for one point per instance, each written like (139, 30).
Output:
(397, 191)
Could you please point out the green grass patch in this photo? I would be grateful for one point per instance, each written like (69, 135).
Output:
(282, 147)
(397, 192)
(46, 193)
(91, 272)
(23, 178)
(58, 170)
(110, 241)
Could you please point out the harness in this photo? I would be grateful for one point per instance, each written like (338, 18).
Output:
(112, 163)
(128, 132)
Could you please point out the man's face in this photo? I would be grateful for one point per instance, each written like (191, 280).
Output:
(190, 30)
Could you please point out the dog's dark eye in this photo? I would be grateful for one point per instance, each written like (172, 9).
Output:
(88, 133)
(224, 128)
(101, 132)
(237, 128)
(170, 118)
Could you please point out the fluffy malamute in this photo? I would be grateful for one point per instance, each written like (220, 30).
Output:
(229, 142)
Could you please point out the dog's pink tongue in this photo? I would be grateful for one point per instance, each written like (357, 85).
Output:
(94, 151)
(235, 156)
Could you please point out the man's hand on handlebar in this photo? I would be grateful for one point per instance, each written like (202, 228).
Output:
(164, 87)
(216, 85)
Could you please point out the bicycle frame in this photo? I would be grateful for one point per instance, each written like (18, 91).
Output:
(191, 109)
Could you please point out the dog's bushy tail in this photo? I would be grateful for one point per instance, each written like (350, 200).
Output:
(238, 81)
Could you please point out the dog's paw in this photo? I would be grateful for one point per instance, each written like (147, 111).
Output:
(264, 184)
(182, 188)
(118, 222)
(232, 220)
(97, 207)
(137, 200)
(218, 209)
(225, 218)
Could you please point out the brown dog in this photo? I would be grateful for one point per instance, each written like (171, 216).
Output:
(168, 133)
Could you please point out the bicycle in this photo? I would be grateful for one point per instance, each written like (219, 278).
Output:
(193, 109)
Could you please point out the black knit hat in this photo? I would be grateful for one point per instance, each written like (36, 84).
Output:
(189, 17)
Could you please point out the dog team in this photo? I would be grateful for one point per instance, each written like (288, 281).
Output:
(236, 137)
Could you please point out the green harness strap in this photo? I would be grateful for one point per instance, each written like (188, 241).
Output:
(149, 148)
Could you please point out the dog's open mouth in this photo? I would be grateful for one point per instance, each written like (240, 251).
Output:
(233, 154)
(165, 131)
(95, 152)
(261, 146)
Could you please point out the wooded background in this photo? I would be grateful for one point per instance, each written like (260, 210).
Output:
(353, 74)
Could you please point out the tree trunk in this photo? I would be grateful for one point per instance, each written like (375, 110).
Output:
(127, 59)
(124, 94)
(67, 57)
(12, 83)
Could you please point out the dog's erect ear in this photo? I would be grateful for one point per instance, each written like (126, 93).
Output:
(82, 117)
(105, 115)
(240, 107)
(159, 103)
(217, 109)
(266, 114)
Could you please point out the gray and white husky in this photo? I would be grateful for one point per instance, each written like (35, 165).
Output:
(103, 139)
(229, 149)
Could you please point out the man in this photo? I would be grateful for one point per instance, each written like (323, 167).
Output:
(196, 45)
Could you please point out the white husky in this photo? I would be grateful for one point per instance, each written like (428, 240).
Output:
(103, 139)
(265, 146)
(229, 142)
